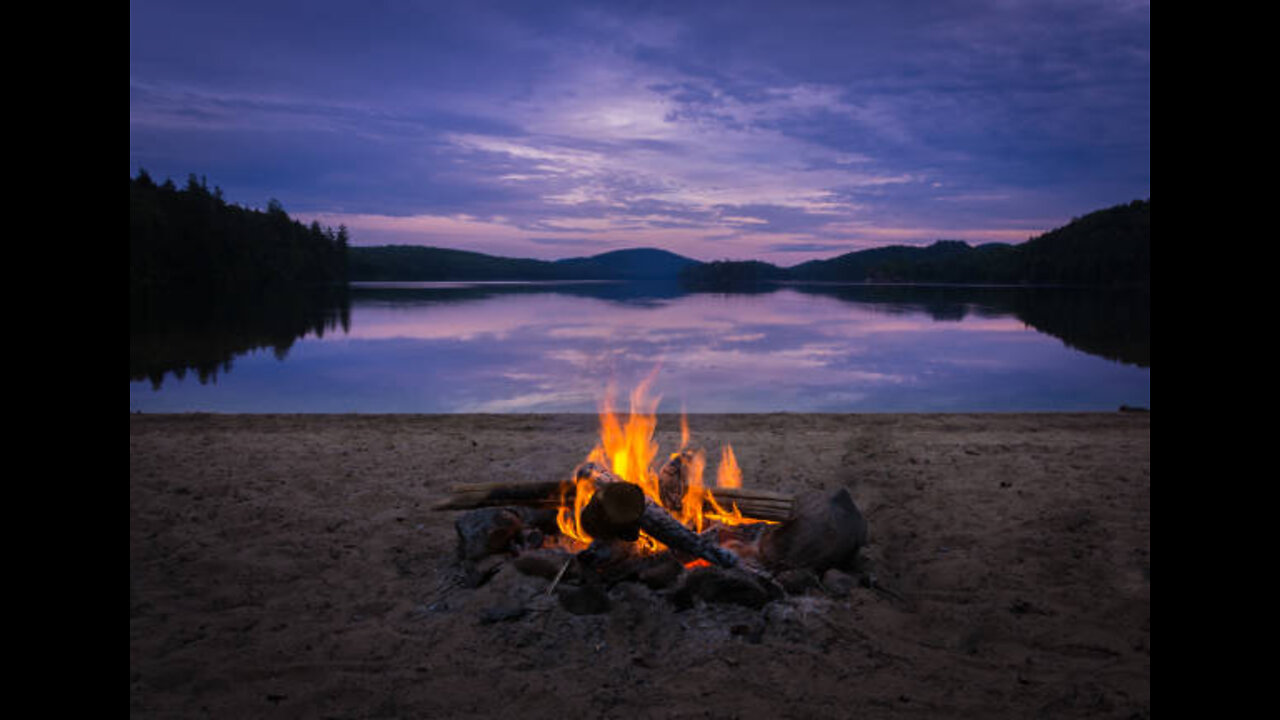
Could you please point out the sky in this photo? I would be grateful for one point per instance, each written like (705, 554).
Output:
(779, 131)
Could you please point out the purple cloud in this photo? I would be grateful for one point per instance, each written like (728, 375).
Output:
(714, 130)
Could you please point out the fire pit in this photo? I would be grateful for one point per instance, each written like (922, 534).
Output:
(622, 517)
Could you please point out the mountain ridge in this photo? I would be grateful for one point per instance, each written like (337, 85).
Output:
(1109, 247)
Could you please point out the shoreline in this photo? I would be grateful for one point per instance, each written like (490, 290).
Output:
(289, 563)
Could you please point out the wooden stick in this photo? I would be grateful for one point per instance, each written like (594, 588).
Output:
(560, 574)
(467, 496)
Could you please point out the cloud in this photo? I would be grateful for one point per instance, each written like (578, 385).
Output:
(705, 129)
(805, 247)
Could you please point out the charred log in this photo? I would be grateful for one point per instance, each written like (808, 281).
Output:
(662, 526)
(467, 496)
(673, 479)
(614, 512)
(493, 531)
(611, 561)
(756, 504)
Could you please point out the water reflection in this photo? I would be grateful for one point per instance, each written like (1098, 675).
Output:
(496, 347)
(1114, 324)
(205, 335)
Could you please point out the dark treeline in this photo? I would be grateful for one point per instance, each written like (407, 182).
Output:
(1109, 248)
(1113, 323)
(190, 241)
(1109, 323)
(205, 338)
(209, 280)
(413, 262)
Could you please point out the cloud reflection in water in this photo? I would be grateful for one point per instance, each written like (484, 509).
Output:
(550, 351)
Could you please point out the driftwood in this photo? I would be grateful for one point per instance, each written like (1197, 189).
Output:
(755, 504)
(662, 526)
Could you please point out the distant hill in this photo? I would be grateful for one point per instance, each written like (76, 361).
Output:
(412, 262)
(1107, 248)
(943, 261)
(635, 264)
(733, 274)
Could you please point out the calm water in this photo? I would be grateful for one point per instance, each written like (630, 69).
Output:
(506, 348)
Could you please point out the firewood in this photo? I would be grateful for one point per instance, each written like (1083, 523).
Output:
(673, 479)
(754, 504)
(611, 561)
(614, 512)
(493, 531)
(662, 526)
(467, 496)
(614, 561)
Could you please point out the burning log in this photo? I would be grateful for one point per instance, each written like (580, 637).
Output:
(614, 512)
(757, 504)
(660, 524)
(614, 561)
(673, 479)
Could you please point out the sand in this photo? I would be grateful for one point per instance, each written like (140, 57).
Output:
(289, 566)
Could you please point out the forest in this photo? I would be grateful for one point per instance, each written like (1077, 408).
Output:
(191, 242)
(210, 280)
(1108, 248)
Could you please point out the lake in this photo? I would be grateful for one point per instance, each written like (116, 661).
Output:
(531, 347)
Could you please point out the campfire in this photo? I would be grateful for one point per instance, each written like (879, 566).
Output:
(628, 513)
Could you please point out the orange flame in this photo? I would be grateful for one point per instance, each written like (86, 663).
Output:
(629, 450)
(694, 493)
(728, 475)
(570, 521)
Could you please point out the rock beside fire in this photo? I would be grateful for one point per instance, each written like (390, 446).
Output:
(546, 563)
(828, 531)
(808, 552)
(489, 532)
(492, 531)
(719, 585)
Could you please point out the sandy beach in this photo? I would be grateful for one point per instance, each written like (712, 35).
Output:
(290, 566)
